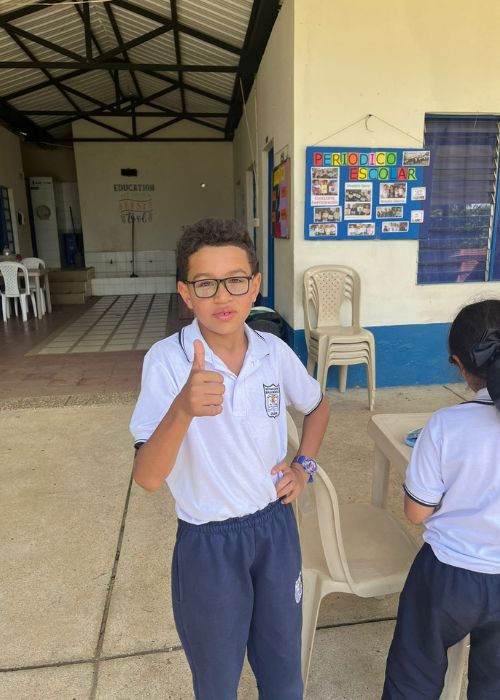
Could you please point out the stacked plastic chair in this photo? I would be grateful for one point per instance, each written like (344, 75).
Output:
(330, 292)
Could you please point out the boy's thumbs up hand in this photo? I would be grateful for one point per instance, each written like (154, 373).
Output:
(203, 393)
(199, 355)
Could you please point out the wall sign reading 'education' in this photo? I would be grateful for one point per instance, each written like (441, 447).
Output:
(360, 193)
(135, 203)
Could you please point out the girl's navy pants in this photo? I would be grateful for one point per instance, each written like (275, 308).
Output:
(439, 606)
(236, 588)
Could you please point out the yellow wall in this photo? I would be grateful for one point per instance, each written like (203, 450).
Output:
(330, 63)
(398, 61)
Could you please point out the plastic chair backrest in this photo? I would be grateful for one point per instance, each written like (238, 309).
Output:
(34, 263)
(9, 272)
(326, 288)
(327, 506)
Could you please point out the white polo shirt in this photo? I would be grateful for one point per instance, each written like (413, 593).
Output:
(223, 468)
(457, 459)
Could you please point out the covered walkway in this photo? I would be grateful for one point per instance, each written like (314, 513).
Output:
(85, 554)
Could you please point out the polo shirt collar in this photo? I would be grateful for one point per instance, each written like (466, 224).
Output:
(257, 344)
(482, 395)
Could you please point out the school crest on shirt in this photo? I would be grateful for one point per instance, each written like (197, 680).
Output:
(272, 397)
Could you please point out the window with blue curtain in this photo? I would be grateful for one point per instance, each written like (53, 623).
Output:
(456, 239)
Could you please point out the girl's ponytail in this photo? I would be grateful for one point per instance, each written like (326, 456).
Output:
(486, 355)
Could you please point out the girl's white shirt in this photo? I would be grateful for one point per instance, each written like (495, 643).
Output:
(456, 463)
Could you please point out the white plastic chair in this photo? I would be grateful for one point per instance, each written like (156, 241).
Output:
(37, 264)
(353, 548)
(327, 290)
(12, 289)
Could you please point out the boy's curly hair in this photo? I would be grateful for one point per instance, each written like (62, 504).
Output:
(212, 232)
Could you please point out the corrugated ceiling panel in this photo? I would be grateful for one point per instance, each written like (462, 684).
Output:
(9, 5)
(158, 50)
(220, 84)
(13, 80)
(59, 24)
(132, 24)
(224, 19)
(102, 29)
(149, 84)
(9, 50)
(171, 100)
(215, 121)
(97, 84)
(161, 7)
(198, 103)
(48, 98)
(196, 52)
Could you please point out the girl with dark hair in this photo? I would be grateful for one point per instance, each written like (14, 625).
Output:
(452, 486)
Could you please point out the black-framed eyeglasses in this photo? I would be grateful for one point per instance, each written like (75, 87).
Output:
(236, 286)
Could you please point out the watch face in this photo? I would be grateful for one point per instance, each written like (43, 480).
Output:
(310, 466)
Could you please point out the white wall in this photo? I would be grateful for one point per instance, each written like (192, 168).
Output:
(175, 169)
(397, 61)
(270, 120)
(12, 177)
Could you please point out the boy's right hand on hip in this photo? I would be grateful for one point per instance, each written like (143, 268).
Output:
(203, 393)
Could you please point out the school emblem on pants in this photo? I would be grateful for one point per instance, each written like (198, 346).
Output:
(272, 396)
(298, 589)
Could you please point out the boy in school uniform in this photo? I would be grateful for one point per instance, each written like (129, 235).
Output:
(211, 421)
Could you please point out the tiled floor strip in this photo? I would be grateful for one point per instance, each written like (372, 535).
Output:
(128, 322)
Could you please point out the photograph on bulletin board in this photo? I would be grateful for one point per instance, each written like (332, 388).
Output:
(362, 193)
(280, 202)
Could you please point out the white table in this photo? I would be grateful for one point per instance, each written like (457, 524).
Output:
(388, 431)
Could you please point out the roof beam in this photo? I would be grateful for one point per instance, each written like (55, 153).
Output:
(85, 16)
(177, 43)
(159, 127)
(179, 139)
(262, 19)
(138, 41)
(88, 31)
(12, 30)
(118, 37)
(87, 66)
(155, 17)
(28, 10)
(121, 113)
(46, 73)
(17, 121)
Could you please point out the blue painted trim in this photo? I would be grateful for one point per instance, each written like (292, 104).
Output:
(494, 237)
(270, 237)
(405, 355)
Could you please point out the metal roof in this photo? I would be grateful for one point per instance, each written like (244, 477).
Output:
(65, 60)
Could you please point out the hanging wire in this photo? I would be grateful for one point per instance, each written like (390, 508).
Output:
(366, 119)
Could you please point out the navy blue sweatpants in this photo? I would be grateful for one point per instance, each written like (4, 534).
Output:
(236, 587)
(439, 606)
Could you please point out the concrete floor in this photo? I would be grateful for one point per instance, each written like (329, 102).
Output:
(84, 558)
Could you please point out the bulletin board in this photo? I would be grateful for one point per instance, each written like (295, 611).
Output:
(280, 204)
(363, 193)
